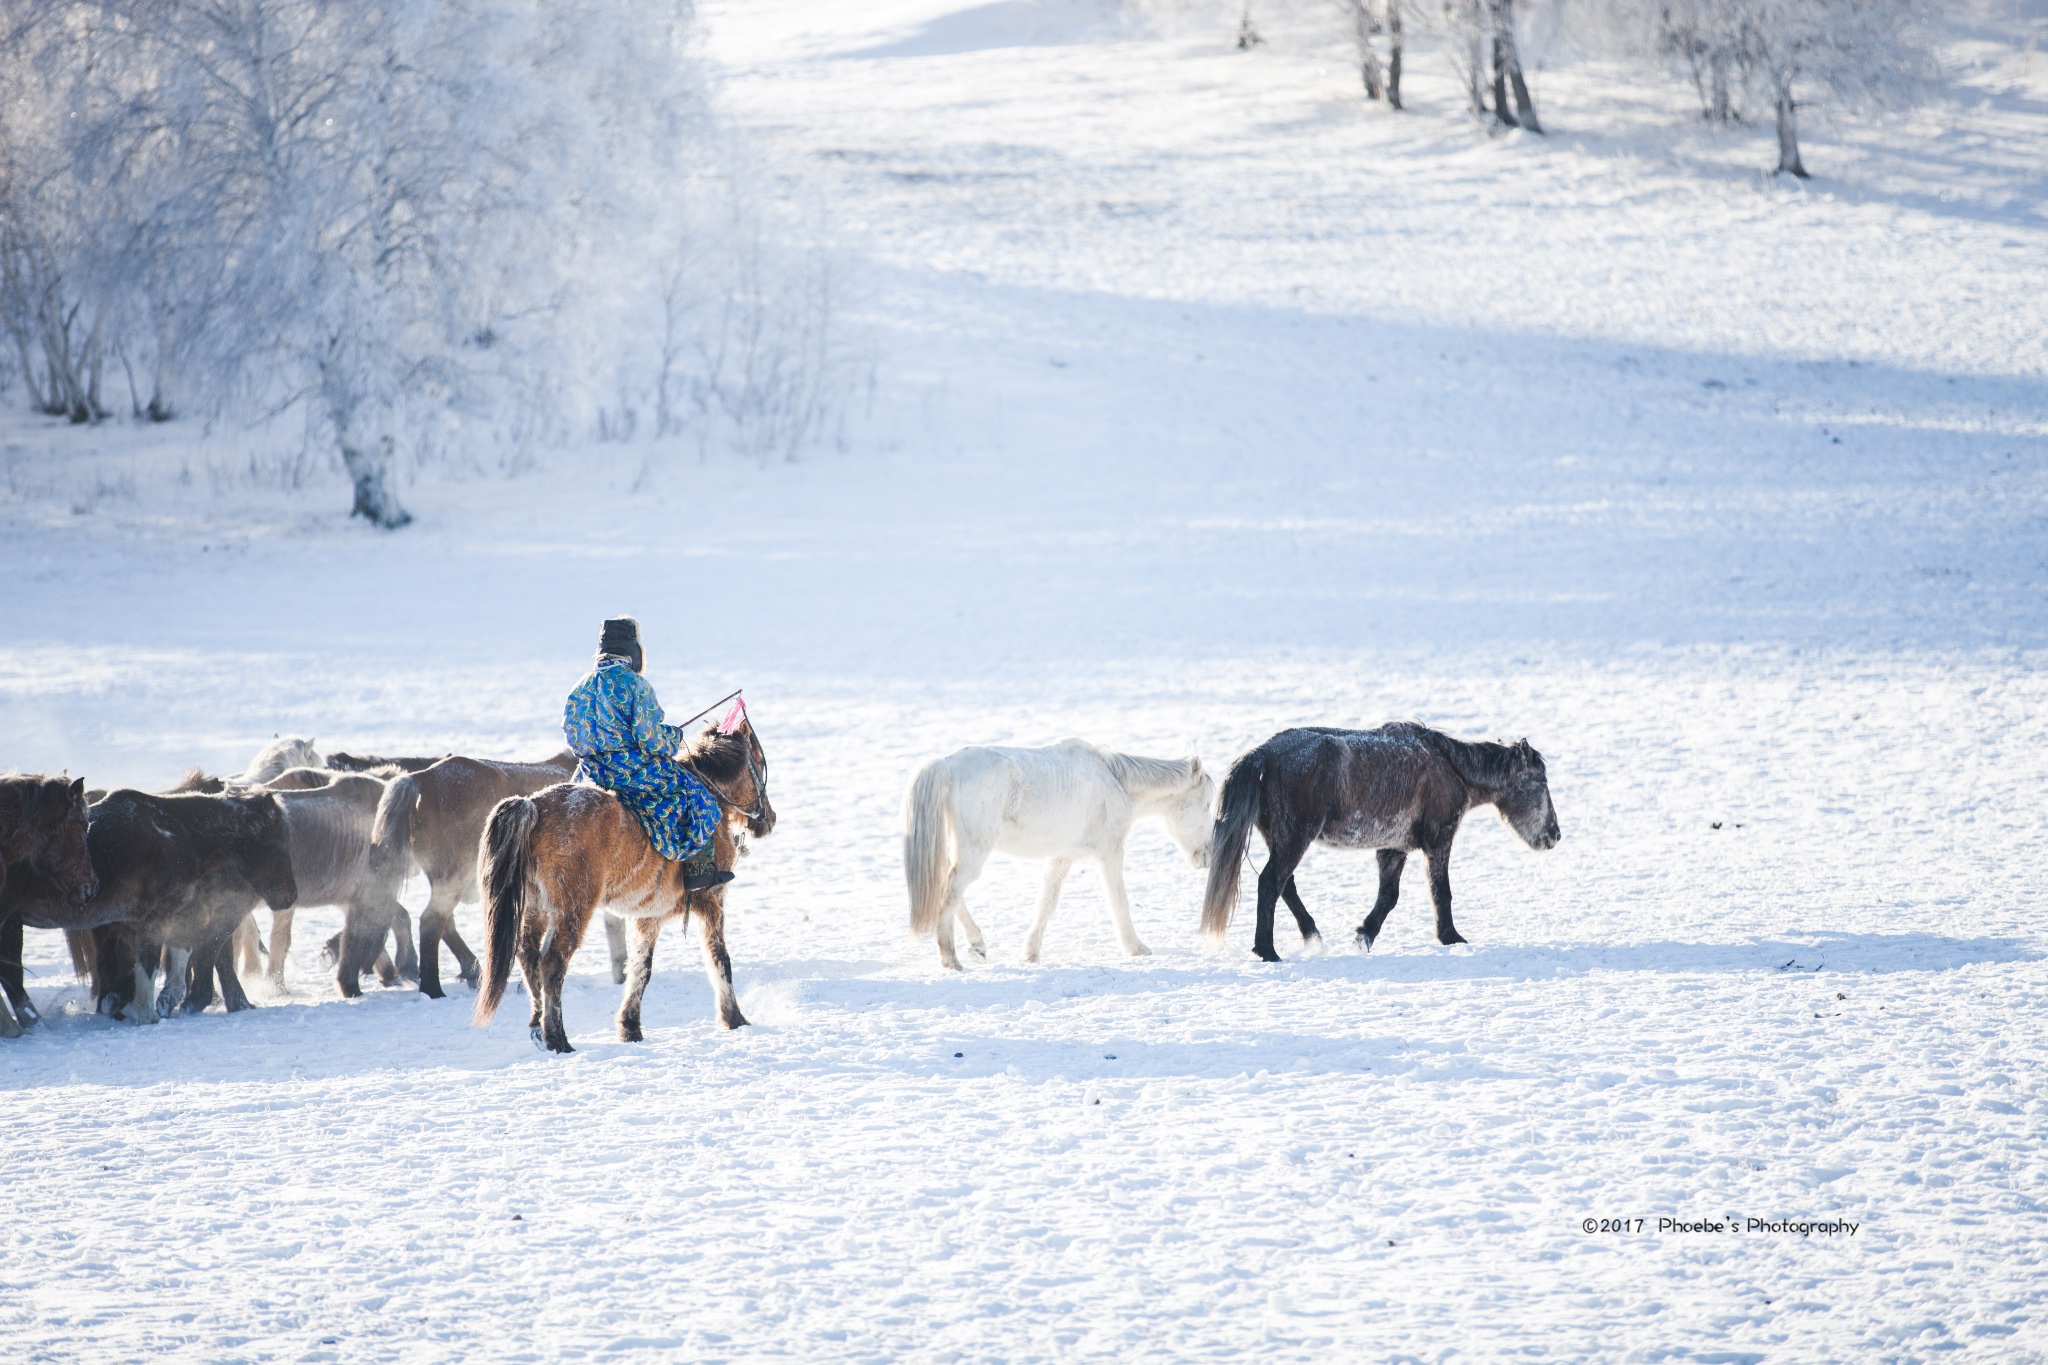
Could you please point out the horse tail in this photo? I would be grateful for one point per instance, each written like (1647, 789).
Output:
(927, 818)
(83, 952)
(1236, 811)
(391, 833)
(507, 853)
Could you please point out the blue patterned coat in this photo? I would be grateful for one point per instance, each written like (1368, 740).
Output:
(613, 723)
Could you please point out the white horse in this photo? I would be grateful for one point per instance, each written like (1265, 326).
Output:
(1063, 803)
(275, 757)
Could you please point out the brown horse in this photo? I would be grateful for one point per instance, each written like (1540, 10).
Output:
(438, 815)
(1400, 789)
(42, 827)
(551, 860)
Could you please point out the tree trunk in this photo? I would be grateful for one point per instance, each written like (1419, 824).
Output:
(1500, 79)
(1247, 35)
(368, 453)
(1788, 138)
(370, 471)
(1475, 75)
(1720, 111)
(1368, 60)
(1504, 37)
(1394, 59)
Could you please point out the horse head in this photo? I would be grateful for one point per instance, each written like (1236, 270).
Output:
(760, 812)
(265, 851)
(1524, 799)
(62, 853)
(1190, 815)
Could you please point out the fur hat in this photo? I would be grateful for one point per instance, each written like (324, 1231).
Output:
(622, 638)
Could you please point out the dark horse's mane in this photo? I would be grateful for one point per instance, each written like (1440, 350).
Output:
(22, 796)
(719, 756)
(1482, 764)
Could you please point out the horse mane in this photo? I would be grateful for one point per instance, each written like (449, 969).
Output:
(26, 793)
(717, 755)
(197, 779)
(1480, 763)
(1133, 770)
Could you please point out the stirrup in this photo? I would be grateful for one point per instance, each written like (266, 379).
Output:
(705, 881)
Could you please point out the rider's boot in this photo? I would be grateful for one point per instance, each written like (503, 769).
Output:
(700, 873)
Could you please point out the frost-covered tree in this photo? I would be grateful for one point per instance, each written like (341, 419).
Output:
(1481, 34)
(415, 223)
(1368, 20)
(1864, 54)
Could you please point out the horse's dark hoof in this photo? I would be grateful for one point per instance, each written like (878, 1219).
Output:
(432, 991)
(1455, 937)
(1265, 955)
(630, 1034)
(561, 1047)
(1364, 941)
(540, 1040)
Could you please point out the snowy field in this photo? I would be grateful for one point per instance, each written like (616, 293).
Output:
(1205, 401)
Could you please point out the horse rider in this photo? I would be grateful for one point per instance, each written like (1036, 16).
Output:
(614, 725)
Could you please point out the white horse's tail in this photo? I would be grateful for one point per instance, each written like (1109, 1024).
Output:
(927, 820)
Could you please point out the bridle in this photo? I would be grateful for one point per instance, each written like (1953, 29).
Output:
(760, 806)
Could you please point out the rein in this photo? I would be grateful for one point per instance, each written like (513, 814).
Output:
(760, 805)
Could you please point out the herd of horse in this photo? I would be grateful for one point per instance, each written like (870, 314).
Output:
(157, 893)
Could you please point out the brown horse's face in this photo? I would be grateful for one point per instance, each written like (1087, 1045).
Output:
(64, 858)
(754, 793)
(1525, 801)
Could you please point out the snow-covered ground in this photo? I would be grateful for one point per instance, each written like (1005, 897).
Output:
(1205, 401)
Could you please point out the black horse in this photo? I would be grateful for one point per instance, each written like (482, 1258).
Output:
(1401, 789)
(174, 873)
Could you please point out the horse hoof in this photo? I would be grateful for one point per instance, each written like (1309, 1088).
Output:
(1139, 950)
(432, 992)
(563, 1048)
(540, 1040)
(1365, 943)
(1455, 937)
(1265, 955)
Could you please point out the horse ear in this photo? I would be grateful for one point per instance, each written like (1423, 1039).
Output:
(1195, 766)
(78, 789)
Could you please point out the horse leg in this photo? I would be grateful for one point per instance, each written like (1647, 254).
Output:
(408, 953)
(717, 963)
(972, 858)
(232, 996)
(557, 946)
(247, 944)
(615, 941)
(358, 947)
(1112, 866)
(1392, 860)
(1302, 920)
(15, 1006)
(633, 976)
(1048, 900)
(177, 984)
(280, 948)
(1281, 860)
(1440, 892)
(199, 973)
(468, 969)
(15, 1011)
(529, 971)
(436, 922)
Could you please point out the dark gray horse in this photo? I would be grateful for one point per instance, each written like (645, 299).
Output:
(174, 872)
(1400, 789)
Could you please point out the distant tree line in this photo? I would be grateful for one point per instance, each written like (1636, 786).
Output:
(398, 218)
(1746, 58)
